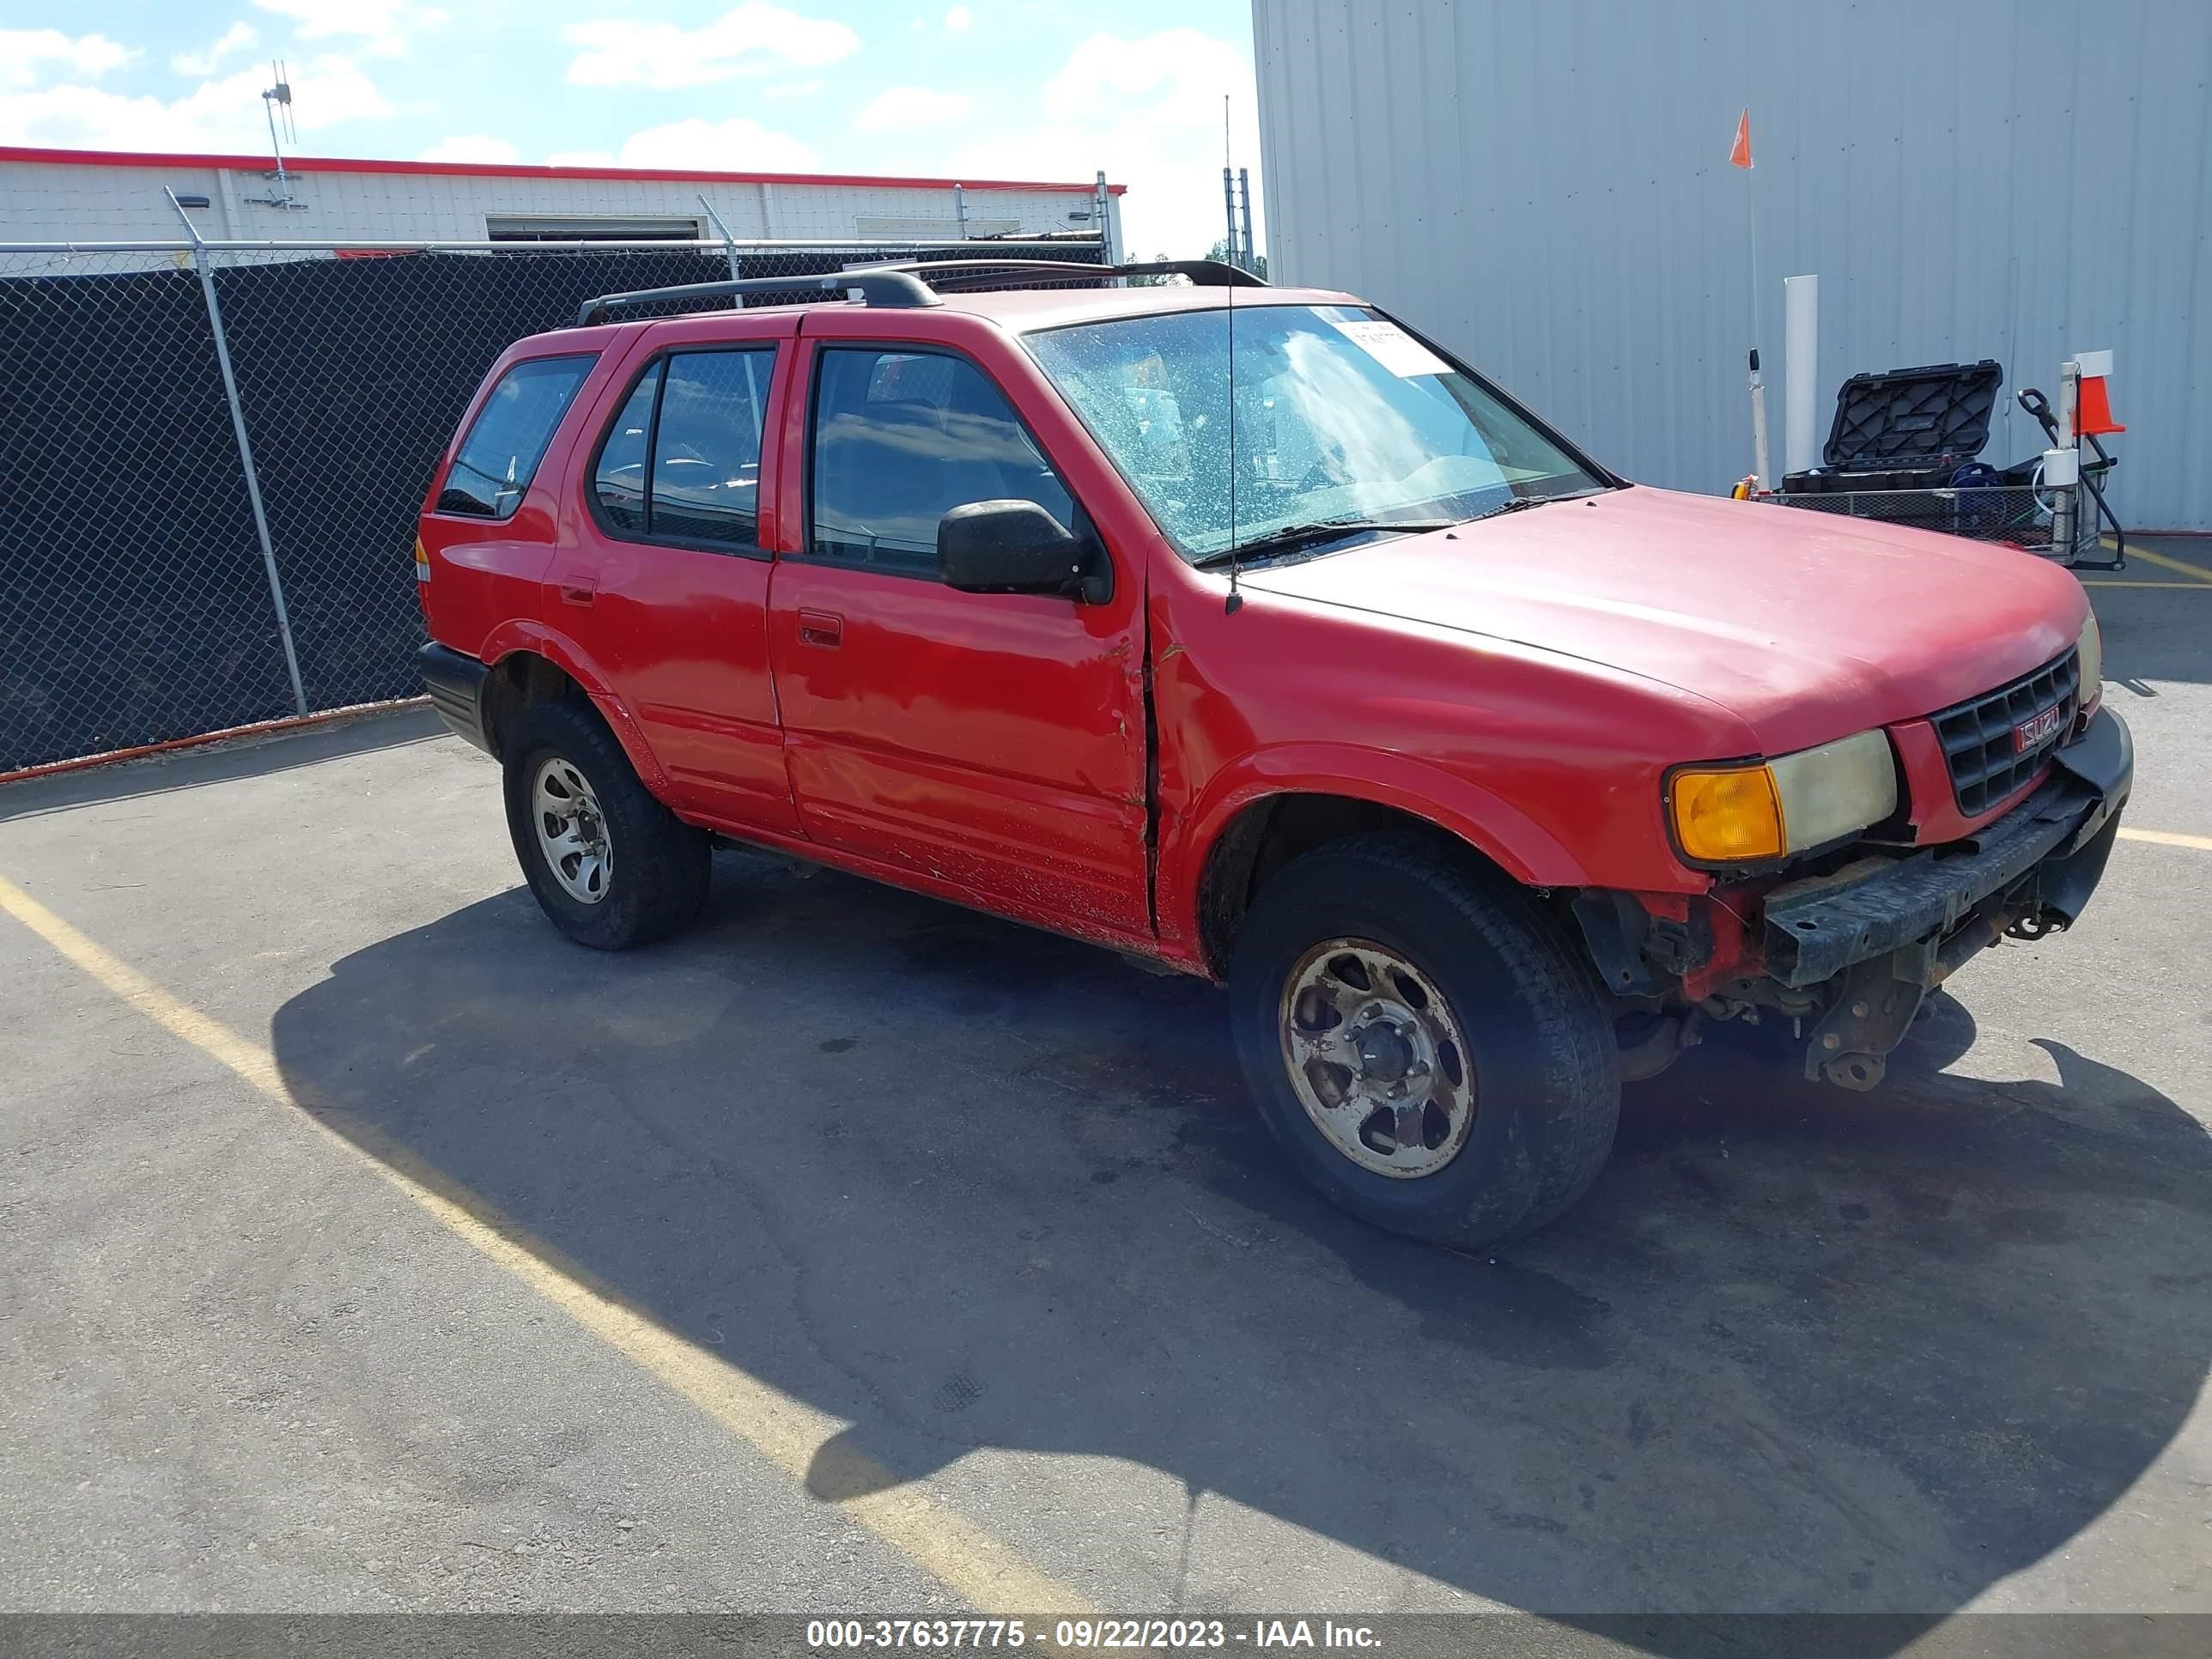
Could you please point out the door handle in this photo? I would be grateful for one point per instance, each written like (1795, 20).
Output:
(578, 593)
(821, 627)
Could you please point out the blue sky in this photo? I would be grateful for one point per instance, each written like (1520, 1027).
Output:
(1004, 88)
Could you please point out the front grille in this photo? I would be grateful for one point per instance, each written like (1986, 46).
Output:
(1978, 736)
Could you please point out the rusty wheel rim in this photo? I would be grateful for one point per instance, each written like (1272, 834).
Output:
(1377, 1058)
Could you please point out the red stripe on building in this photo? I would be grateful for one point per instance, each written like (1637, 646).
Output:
(127, 158)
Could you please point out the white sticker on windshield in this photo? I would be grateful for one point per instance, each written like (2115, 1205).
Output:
(1392, 347)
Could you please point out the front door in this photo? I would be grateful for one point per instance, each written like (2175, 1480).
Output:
(989, 743)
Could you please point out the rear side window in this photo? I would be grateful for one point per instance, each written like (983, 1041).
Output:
(681, 459)
(509, 437)
(901, 438)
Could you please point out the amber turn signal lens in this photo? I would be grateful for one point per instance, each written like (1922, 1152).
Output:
(1723, 816)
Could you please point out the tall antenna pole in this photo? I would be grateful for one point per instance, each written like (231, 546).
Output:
(1244, 192)
(1228, 187)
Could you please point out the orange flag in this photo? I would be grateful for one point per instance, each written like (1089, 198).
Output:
(1740, 151)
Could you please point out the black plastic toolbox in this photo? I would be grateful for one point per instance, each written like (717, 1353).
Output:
(1906, 429)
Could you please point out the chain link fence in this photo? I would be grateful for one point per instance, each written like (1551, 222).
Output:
(143, 602)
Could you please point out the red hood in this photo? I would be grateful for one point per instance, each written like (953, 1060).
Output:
(1806, 625)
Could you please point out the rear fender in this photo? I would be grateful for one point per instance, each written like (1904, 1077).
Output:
(565, 654)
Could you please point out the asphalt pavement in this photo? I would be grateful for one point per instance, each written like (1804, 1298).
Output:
(371, 1248)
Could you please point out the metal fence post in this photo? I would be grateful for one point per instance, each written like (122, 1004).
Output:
(201, 262)
(729, 242)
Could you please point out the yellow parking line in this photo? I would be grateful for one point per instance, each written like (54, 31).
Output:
(984, 1572)
(2168, 838)
(2167, 561)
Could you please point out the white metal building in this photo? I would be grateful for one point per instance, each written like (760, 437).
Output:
(1544, 185)
(88, 196)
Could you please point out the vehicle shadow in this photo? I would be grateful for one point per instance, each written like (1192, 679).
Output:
(966, 1185)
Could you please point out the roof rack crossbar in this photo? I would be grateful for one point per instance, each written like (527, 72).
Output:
(1204, 273)
(878, 285)
(950, 276)
(906, 284)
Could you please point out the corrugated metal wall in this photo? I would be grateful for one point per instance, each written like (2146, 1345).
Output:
(1543, 184)
(94, 200)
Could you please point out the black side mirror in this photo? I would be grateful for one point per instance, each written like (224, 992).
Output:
(1016, 547)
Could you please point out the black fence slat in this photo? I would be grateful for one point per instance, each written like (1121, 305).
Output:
(134, 607)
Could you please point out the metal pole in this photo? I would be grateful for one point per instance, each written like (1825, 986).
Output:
(729, 242)
(1101, 215)
(1244, 191)
(244, 452)
(1760, 469)
(960, 210)
(284, 186)
(2063, 514)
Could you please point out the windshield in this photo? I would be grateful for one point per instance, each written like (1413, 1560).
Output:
(1340, 415)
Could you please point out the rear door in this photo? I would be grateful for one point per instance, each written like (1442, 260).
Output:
(991, 746)
(669, 573)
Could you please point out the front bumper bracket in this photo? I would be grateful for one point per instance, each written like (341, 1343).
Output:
(1817, 927)
(1889, 931)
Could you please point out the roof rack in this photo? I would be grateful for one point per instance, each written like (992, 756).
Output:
(951, 275)
(878, 285)
(906, 285)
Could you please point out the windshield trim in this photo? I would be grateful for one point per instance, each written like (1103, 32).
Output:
(1607, 477)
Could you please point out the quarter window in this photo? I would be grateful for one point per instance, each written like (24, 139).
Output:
(508, 438)
(901, 438)
(681, 460)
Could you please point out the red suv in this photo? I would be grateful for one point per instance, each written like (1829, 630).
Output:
(1241, 629)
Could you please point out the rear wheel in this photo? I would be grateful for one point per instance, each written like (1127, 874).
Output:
(1421, 1042)
(610, 866)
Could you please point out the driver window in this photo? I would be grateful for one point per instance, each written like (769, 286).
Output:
(901, 438)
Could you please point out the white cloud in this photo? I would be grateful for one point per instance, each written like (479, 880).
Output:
(735, 145)
(26, 55)
(957, 20)
(470, 147)
(581, 158)
(754, 38)
(218, 115)
(1149, 112)
(794, 88)
(381, 26)
(903, 108)
(237, 38)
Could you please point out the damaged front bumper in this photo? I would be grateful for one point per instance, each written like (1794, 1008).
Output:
(1852, 954)
(1883, 933)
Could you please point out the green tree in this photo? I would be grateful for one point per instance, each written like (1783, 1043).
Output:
(1151, 281)
(1220, 251)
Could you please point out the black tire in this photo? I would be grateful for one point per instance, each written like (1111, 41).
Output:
(1545, 1064)
(661, 866)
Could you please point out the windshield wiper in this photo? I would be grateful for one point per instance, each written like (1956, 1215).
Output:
(1521, 503)
(1292, 537)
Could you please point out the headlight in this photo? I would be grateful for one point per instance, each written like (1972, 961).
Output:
(2090, 649)
(1724, 815)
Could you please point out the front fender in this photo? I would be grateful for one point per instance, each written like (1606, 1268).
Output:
(1488, 823)
(564, 653)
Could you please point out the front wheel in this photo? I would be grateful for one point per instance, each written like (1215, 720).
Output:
(1421, 1042)
(610, 866)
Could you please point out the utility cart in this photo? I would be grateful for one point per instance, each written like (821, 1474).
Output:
(1906, 447)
